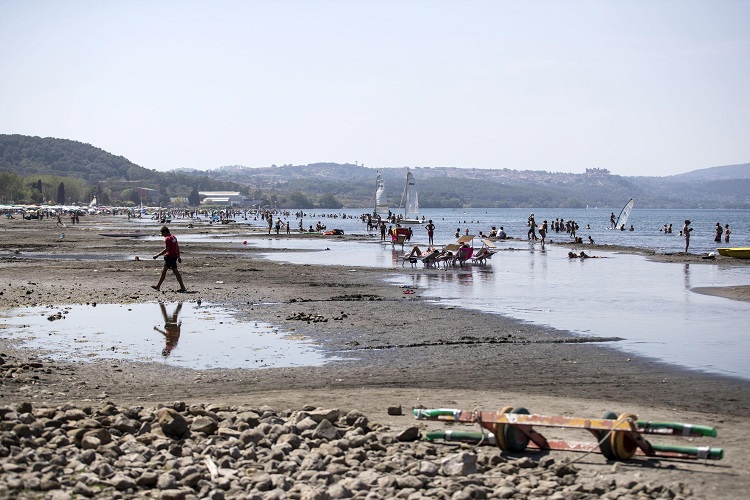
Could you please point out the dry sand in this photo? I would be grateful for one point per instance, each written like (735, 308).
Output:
(412, 352)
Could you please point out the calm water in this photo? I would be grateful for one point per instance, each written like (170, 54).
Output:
(647, 224)
(198, 337)
(648, 304)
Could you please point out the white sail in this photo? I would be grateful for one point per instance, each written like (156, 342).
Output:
(624, 214)
(412, 197)
(410, 200)
(381, 201)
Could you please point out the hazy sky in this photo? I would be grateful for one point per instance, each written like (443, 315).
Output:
(638, 87)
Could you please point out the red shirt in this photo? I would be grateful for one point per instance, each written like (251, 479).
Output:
(173, 249)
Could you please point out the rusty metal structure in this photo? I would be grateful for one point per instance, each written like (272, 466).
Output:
(618, 437)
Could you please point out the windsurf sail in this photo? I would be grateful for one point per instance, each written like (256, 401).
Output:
(622, 219)
(410, 198)
(381, 201)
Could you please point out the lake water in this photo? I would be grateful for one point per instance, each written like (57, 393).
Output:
(647, 224)
(178, 334)
(648, 304)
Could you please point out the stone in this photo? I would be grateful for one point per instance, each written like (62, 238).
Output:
(148, 478)
(121, 482)
(428, 468)
(204, 424)
(332, 415)
(172, 423)
(326, 430)
(409, 434)
(395, 410)
(461, 464)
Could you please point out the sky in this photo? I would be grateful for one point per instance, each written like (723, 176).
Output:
(640, 87)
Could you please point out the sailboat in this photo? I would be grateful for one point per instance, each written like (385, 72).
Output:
(381, 201)
(410, 201)
(622, 219)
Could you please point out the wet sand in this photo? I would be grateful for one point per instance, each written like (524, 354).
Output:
(409, 352)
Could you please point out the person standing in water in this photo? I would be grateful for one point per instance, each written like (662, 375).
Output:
(726, 233)
(171, 255)
(686, 233)
(430, 227)
(719, 231)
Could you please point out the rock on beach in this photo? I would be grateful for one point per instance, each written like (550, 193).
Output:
(174, 451)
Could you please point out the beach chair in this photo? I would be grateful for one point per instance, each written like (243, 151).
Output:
(430, 260)
(447, 255)
(412, 257)
(485, 253)
(399, 236)
(462, 255)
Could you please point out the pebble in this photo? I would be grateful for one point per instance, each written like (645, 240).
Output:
(220, 452)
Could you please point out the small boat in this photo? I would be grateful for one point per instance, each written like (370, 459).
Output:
(410, 201)
(737, 253)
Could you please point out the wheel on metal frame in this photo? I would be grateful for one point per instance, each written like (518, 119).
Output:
(604, 444)
(515, 439)
(622, 445)
(499, 430)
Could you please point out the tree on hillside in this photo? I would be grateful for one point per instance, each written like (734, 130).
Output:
(11, 187)
(194, 198)
(61, 193)
(329, 201)
(299, 200)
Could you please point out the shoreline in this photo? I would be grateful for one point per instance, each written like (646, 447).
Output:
(406, 366)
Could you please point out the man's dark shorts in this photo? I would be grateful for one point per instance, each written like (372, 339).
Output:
(170, 262)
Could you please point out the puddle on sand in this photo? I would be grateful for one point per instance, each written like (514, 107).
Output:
(65, 256)
(178, 334)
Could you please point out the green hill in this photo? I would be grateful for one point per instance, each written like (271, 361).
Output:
(33, 168)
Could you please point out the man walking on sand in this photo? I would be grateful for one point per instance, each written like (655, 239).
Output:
(171, 255)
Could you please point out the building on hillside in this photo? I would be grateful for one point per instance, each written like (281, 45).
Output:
(596, 172)
(148, 196)
(223, 198)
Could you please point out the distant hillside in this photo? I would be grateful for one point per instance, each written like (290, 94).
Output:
(27, 163)
(445, 187)
(718, 173)
(32, 168)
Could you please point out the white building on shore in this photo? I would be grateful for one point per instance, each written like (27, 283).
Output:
(225, 198)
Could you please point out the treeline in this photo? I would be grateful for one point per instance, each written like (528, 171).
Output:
(32, 170)
(44, 170)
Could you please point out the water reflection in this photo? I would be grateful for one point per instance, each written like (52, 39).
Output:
(171, 329)
(648, 304)
(209, 336)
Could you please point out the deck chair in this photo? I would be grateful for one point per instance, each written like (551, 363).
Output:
(468, 238)
(447, 255)
(399, 235)
(463, 254)
(485, 253)
(412, 257)
(430, 259)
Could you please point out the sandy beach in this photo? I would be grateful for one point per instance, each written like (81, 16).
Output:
(411, 353)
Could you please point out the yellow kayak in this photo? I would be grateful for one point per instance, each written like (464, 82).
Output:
(737, 253)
